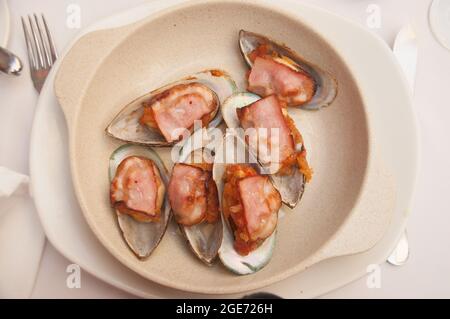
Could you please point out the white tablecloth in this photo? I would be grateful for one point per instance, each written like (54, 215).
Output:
(427, 272)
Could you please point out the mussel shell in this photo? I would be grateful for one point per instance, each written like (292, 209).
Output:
(259, 258)
(142, 238)
(326, 84)
(126, 127)
(204, 239)
(234, 102)
(290, 187)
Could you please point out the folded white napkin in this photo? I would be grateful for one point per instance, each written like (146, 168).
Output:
(12, 183)
(21, 236)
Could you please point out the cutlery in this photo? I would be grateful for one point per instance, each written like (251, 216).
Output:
(400, 254)
(439, 17)
(9, 62)
(40, 47)
(405, 50)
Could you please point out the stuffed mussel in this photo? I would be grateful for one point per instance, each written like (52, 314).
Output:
(250, 205)
(278, 70)
(194, 198)
(166, 115)
(274, 139)
(138, 195)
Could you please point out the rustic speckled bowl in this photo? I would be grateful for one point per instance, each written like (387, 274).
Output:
(345, 209)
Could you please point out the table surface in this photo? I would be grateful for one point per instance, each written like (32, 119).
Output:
(426, 273)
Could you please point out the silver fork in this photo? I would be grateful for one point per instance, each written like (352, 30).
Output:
(41, 49)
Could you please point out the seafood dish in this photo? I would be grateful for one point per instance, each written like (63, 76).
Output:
(138, 195)
(278, 79)
(278, 146)
(250, 205)
(193, 194)
(223, 206)
(195, 203)
(178, 107)
(276, 69)
(163, 116)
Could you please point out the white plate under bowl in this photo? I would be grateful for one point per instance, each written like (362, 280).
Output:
(394, 123)
(4, 23)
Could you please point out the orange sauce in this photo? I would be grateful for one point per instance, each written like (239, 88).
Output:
(298, 158)
(217, 73)
(262, 51)
(148, 118)
(233, 209)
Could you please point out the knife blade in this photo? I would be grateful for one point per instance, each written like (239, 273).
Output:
(405, 50)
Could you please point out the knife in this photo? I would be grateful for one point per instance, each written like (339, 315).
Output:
(405, 50)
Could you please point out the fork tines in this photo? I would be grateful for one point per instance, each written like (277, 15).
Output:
(41, 49)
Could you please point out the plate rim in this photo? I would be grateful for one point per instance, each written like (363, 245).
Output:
(92, 28)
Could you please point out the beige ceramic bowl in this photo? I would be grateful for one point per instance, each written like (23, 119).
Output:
(345, 209)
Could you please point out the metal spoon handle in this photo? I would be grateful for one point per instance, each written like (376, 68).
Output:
(9, 63)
